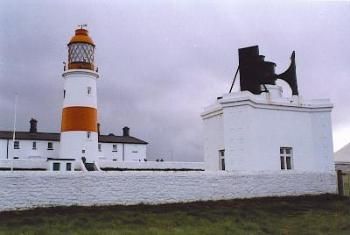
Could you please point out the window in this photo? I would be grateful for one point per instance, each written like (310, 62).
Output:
(99, 148)
(56, 166)
(135, 151)
(68, 166)
(286, 158)
(49, 146)
(34, 145)
(80, 52)
(88, 134)
(222, 159)
(89, 90)
(16, 145)
(64, 93)
(115, 149)
(282, 163)
(289, 163)
(83, 151)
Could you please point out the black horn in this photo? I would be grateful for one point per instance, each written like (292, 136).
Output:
(255, 72)
(290, 76)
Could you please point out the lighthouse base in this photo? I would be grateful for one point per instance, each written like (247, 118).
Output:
(79, 145)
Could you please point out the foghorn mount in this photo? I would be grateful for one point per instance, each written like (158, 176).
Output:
(255, 72)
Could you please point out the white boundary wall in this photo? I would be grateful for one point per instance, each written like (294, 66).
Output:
(21, 190)
(24, 164)
(152, 165)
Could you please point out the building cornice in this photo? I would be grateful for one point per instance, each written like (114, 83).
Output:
(264, 101)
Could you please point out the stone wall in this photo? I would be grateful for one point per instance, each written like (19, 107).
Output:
(151, 165)
(21, 190)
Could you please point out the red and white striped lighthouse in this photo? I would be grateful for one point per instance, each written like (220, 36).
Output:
(79, 137)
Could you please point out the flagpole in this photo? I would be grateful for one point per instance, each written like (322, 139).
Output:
(14, 131)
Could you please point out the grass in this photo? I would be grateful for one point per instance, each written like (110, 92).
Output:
(325, 214)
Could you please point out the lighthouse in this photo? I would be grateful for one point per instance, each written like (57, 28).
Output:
(79, 135)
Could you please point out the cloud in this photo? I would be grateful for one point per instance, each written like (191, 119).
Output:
(161, 62)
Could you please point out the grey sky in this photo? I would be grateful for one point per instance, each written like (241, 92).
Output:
(161, 62)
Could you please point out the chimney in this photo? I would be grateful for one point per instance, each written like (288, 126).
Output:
(33, 126)
(98, 128)
(126, 131)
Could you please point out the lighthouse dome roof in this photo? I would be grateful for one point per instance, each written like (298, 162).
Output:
(81, 36)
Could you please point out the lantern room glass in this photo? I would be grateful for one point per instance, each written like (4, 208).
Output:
(80, 52)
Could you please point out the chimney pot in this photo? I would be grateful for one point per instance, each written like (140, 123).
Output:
(126, 131)
(33, 126)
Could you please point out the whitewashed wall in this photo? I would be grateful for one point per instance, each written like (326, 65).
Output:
(24, 163)
(26, 151)
(132, 152)
(107, 152)
(33, 189)
(213, 129)
(76, 83)
(254, 127)
(124, 152)
(253, 137)
(75, 142)
(3, 149)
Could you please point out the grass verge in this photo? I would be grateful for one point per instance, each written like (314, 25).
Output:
(326, 214)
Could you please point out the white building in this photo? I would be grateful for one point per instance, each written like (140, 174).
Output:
(33, 149)
(342, 158)
(260, 130)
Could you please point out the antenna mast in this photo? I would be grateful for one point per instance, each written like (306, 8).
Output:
(14, 130)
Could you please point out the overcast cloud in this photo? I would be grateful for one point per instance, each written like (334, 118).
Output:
(161, 62)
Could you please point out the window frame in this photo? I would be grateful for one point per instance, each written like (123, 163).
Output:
(68, 166)
(48, 146)
(286, 158)
(56, 166)
(222, 162)
(34, 145)
(16, 145)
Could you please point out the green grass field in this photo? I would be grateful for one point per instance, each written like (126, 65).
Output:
(298, 215)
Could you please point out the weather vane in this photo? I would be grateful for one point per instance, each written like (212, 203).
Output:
(82, 26)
